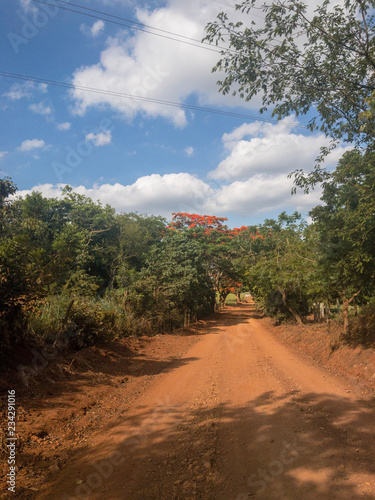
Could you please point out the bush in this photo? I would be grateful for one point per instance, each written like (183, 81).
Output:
(362, 327)
(275, 307)
(89, 320)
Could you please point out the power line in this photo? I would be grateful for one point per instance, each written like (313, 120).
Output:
(203, 45)
(169, 35)
(163, 102)
(130, 20)
(234, 8)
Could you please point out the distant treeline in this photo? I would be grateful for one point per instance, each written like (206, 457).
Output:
(71, 265)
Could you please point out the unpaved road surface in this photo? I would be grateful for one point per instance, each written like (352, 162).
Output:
(238, 416)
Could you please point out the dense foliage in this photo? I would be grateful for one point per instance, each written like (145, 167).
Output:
(73, 267)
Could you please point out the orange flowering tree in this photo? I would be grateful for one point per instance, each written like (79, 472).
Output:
(219, 250)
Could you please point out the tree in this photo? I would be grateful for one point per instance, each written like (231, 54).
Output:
(346, 228)
(299, 62)
(215, 239)
(280, 265)
(138, 234)
(7, 188)
(175, 285)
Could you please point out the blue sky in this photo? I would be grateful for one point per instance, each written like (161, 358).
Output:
(138, 155)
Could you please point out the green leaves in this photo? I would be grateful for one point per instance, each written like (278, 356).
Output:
(346, 224)
(300, 62)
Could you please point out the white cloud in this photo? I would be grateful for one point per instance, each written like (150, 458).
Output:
(189, 151)
(255, 148)
(182, 192)
(100, 139)
(94, 30)
(27, 89)
(155, 193)
(151, 66)
(64, 126)
(41, 109)
(154, 67)
(259, 186)
(260, 194)
(2, 154)
(20, 90)
(31, 144)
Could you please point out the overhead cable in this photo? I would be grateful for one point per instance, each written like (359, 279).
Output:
(169, 35)
(123, 95)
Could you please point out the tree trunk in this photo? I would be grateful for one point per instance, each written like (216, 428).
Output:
(64, 321)
(345, 307)
(321, 305)
(295, 315)
(187, 318)
(222, 301)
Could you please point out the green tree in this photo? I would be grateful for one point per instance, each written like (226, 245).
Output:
(299, 61)
(175, 285)
(7, 188)
(280, 266)
(218, 252)
(346, 228)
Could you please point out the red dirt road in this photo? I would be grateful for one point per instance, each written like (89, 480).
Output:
(238, 416)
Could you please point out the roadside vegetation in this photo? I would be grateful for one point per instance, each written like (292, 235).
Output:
(74, 269)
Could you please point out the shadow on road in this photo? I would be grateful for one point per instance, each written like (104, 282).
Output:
(288, 446)
(113, 359)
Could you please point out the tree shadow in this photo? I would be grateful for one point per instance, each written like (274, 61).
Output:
(359, 338)
(89, 372)
(276, 446)
(72, 373)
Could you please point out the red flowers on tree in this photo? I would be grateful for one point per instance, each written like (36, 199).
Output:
(221, 246)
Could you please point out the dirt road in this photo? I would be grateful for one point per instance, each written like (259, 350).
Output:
(238, 416)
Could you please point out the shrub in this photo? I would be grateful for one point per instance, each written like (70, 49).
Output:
(362, 327)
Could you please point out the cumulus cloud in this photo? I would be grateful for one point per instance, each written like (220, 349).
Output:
(183, 192)
(100, 139)
(94, 30)
(41, 109)
(260, 194)
(189, 151)
(258, 186)
(157, 194)
(147, 66)
(2, 154)
(258, 147)
(31, 144)
(64, 126)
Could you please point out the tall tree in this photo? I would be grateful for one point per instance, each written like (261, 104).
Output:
(300, 61)
(346, 228)
(279, 267)
(175, 285)
(215, 239)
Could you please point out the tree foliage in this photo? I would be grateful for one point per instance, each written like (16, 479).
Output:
(73, 264)
(346, 229)
(300, 61)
